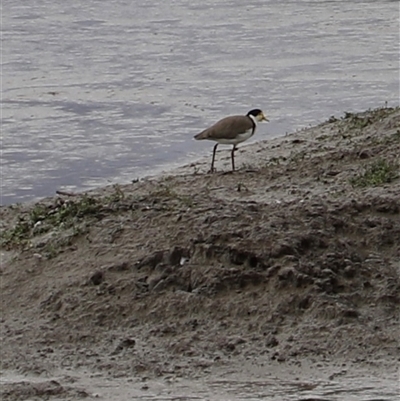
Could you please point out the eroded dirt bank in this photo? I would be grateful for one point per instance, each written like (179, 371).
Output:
(295, 257)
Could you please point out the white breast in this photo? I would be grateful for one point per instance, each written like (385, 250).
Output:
(239, 138)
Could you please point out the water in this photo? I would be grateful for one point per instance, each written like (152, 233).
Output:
(98, 92)
(349, 388)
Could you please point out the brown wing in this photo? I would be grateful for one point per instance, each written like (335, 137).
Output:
(227, 128)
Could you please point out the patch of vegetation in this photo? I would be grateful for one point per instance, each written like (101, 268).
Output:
(362, 120)
(164, 192)
(168, 193)
(396, 136)
(19, 233)
(117, 195)
(186, 200)
(296, 157)
(322, 138)
(44, 218)
(357, 122)
(275, 160)
(377, 173)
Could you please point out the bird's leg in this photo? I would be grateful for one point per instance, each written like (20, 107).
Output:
(213, 158)
(234, 149)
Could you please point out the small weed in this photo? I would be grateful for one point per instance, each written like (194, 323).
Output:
(297, 157)
(396, 136)
(378, 173)
(169, 178)
(168, 193)
(164, 192)
(186, 200)
(241, 187)
(274, 161)
(117, 195)
(322, 137)
(196, 170)
(50, 251)
(247, 166)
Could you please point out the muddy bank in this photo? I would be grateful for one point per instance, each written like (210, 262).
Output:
(293, 259)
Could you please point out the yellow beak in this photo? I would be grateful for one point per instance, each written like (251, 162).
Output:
(264, 118)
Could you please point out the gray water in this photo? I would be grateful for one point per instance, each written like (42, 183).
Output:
(354, 387)
(101, 92)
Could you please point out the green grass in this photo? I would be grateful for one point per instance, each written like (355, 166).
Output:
(44, 218)
(377, 173)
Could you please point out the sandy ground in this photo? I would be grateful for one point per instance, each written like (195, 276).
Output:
(289, 264)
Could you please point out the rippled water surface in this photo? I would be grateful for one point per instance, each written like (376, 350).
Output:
(348, 388)
(97, 92)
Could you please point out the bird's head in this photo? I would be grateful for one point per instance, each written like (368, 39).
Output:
(258, 115)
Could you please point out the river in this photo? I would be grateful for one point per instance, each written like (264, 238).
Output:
(101, 92)
(278, 385)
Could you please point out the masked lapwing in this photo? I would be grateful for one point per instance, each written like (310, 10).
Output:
(232, 130)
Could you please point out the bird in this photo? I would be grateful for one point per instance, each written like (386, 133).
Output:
(232, 130)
